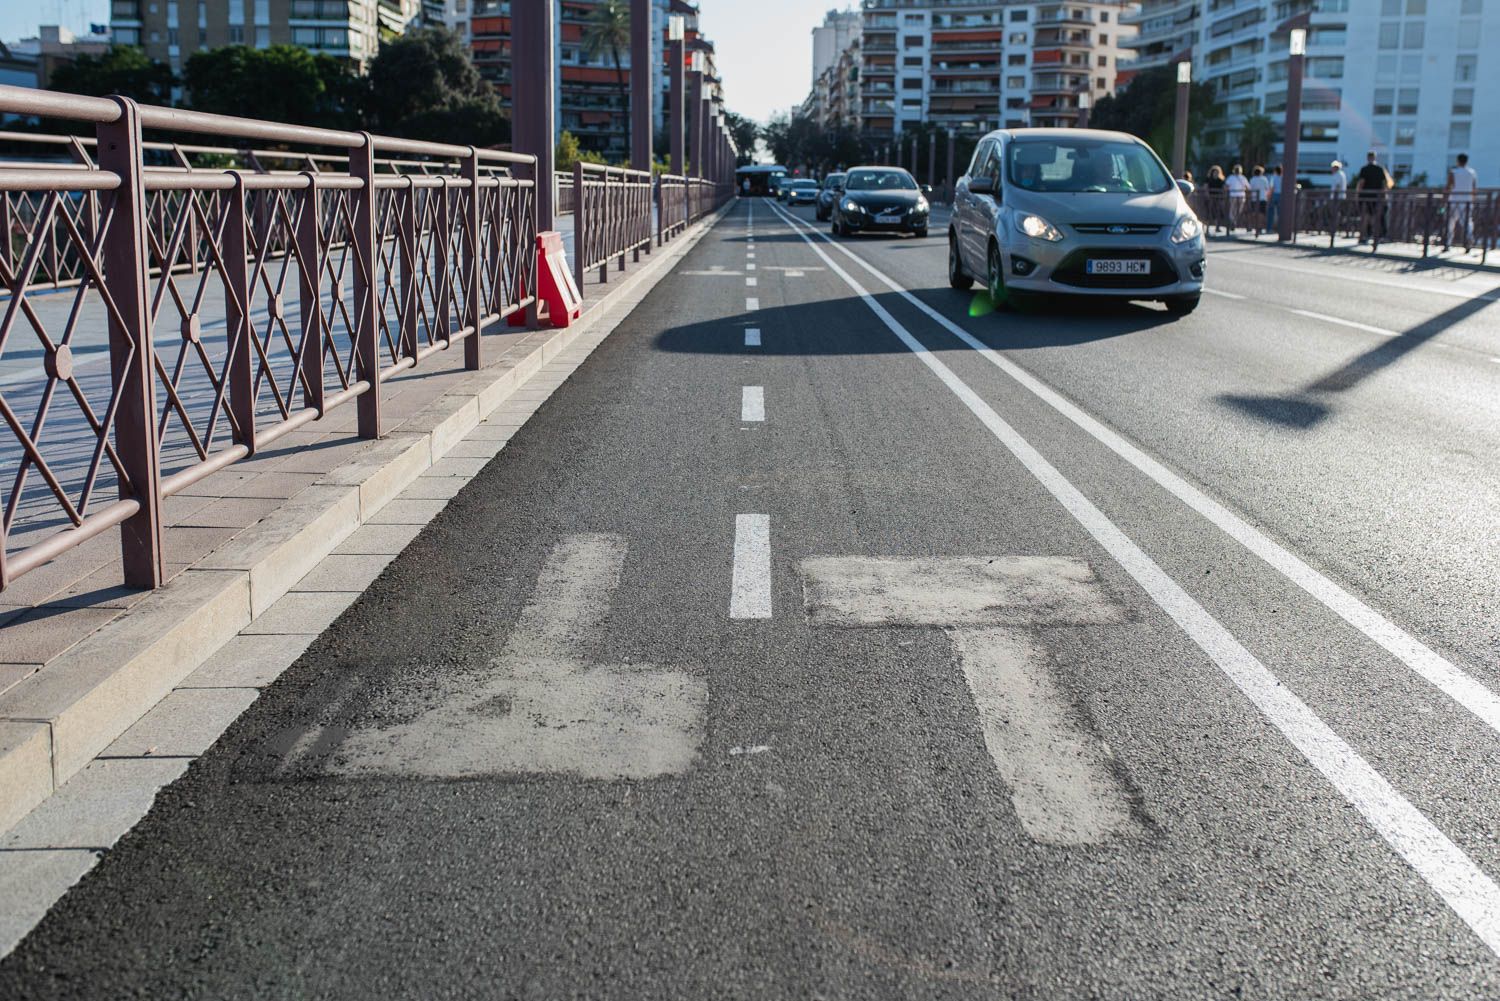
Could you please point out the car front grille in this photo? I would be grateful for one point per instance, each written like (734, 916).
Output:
(1116, 228)
(1072, 270)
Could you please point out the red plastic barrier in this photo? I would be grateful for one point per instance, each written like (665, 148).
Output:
(559, 296)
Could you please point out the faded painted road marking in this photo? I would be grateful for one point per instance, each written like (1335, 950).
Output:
(714, 273)
(1063, 781)
(753, 403)
(751, 283)
(1062, 777)
(542, 705)
(961, 591)
(752, 337)
(1455, 877)
(751, 304)
(750, 588)
(1222, 295)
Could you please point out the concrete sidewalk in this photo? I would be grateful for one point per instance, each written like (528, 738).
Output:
(261, 555)
(1408, 253)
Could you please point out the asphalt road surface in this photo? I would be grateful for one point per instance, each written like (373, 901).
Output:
(832, 635)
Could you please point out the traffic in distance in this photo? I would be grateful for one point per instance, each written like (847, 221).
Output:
(1038, 212)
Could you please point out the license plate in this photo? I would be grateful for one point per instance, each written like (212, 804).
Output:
(891, 214)
(1118, 267)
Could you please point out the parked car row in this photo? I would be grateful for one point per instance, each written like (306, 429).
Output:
(1043, 212)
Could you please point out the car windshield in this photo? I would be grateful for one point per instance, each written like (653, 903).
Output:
(1085, 165)
(833, 181)
(879, 180)
(805, 185)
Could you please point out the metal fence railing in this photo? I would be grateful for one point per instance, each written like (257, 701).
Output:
(205, 312)
(1426, 217)
(611, 217)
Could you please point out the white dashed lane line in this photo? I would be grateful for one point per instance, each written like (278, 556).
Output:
(751, 304)
(753, 403)
(750, 590)
(752, 337)
(1345, 323)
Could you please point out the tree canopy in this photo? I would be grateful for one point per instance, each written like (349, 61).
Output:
(424, 85)
(123, 70)
(1147, 108)
(283, 83)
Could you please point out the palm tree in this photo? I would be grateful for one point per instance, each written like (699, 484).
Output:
(1257, 137)
(609, 31)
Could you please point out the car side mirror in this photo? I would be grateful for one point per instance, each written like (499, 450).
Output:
(1186, 187)
(982, 186)
(926, 189)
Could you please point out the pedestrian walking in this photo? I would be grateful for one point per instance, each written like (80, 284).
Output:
(1215, 185)
(1370, 185)
(1462, 183)
(1237, 187)
(1338, 191)
(1273, 207)
(1260, 196)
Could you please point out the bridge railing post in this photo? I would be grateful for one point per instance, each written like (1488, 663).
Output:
(473, 312)
(366, 289)
(131, 353)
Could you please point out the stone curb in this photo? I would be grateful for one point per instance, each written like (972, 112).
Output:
(53, 723)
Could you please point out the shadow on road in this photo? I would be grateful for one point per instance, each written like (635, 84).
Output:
(824, 328)
(1311, 405)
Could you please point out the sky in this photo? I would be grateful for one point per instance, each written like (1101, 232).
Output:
(764, 47)
(764, 50)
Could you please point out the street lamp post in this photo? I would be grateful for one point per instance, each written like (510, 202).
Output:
(1180, 126)
(675, 99)
(1286, 221)
(952, 151)
(932, 158)
(641, 76)
(695, 115)
(1085, 102)
(912, 158)
(533, 35)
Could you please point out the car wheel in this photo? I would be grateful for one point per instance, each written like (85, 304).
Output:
(1182, 305)
(996, 276)
(920, 234)
(956, 276)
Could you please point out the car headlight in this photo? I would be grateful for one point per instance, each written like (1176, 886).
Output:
(851, 206)
(1187, 228)
(1039, 228)
(922, 205)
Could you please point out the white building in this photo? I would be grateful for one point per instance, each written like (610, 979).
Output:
(1411, 79)
(832, 37)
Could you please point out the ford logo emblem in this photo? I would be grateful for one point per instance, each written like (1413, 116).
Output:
(1117, 230)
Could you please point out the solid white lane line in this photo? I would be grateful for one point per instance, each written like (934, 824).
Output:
(1224, 295)
(751, 304)
(1447, 677)
(1344, 323)
(752, 337)
(1466, 888)
(753, 403)
(1404, 285)
(750, 589)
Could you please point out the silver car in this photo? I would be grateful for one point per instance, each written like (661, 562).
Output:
(1074, 211)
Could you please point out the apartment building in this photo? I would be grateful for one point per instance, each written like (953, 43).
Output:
(593, 98)
(971, 67)
(1411, 79)
(172, 30)
(833, 101)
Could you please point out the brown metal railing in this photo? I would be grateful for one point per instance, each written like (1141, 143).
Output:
(611, 218)
(233, 306)
(1420, 216)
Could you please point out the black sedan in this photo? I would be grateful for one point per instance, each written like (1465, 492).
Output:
(833, 187)
(880, 199)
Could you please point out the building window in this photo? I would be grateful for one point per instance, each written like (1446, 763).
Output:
(1416, 8)
(1019, 14)
(1100, 84)
(1104, 17)
(911, 83)
(914, 19)
(1385, 101)
(1016, 59)
(1416, 31)
(262, 36)
(1390, 8)
(1103, 39)
(1468, 34)
(1458, 135)
(1463, 101)
(1464, 69)
(1406, 133)
(912, 61)
(1103, 61)
(236, 34)
(1018, 38)
(1390, 35)
(1018, 82)
(1406, 101)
